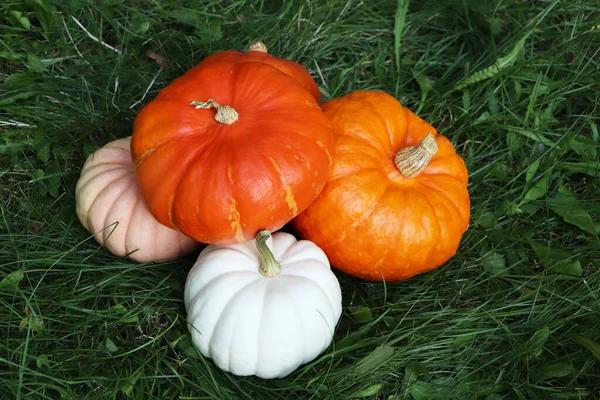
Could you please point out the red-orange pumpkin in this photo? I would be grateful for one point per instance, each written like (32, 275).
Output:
(396, 202)
(257, 52)
(231, 148)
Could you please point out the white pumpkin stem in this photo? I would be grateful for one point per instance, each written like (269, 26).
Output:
(225, 114)
(411, 161)
(258, 46)
(269, 266)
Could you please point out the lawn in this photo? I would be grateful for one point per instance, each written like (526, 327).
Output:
(515, 85)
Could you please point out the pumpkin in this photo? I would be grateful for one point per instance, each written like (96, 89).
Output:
(231, 148)
(257, 52)
(262, 307)
(108, 204)
(396, 202)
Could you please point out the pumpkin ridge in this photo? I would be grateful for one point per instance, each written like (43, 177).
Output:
(125, 176)
(261, 323)
(281, 72)
(224, 310)
(184, 171)
(289, 196)
(232, 343)
(320, 289)
(128, 230)
(298, 312)
(250, 256)
(449, 175)
(362, 218)
(169, 140)
(438, 223)
(83, 185)
(132, 188)
(301, 133)
(376, 267)
(390, 134)
(297, 306)
(111, 163)
(216, 280)
(450, 199)
(106, 152)
(359, 139)
(351, 174)
(273, 69)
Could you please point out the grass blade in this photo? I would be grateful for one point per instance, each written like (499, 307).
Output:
(399, 23)
(500, 65)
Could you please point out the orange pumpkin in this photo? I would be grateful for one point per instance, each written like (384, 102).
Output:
(257, 52)
(396, 202)
(231, 148)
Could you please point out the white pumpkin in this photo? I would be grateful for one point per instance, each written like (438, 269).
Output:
(258, 310)
(109, 205)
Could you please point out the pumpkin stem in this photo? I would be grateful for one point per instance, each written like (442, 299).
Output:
(258, 46)
(269, 266)
(411, 161)
(225, 114)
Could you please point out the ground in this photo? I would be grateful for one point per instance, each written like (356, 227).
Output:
(515, 85)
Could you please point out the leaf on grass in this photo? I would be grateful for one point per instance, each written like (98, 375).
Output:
(19, 20)
(128, 384)
(411, 374)
(560, 261)
(9, 100)
(501, 64)
(531, 135)
(34, 323)
(43, 151)
(127, 319)
(557, 370)
(18, 80)
(367, 392)
(595, 133)
(11, 281)
(192, 352)
(583, 146)
(425, 83)
(589, 344)
(35, 64)
(539, 189)
(376, 359)
(361, 314)
(591, 168)
(532, 170)
(44, 360)
(570, 209)
(510, 208)
(399, 23)
(42, 12)
(11, 56)
(437, 389)
(533, 347)
(464, 340)
(494, 263)
(111, 346)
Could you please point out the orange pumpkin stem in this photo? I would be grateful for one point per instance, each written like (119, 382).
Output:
(225, 114)
(269, 266)
(258, 46)
(411, 161)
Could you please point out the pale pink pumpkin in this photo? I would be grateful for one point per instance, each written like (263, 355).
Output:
(109, 205)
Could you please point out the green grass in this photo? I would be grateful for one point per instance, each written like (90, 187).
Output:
(514, 315)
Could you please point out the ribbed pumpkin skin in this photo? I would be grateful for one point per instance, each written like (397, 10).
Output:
(372, 222)
(291, 68)
(219, 183)
(107, 194)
